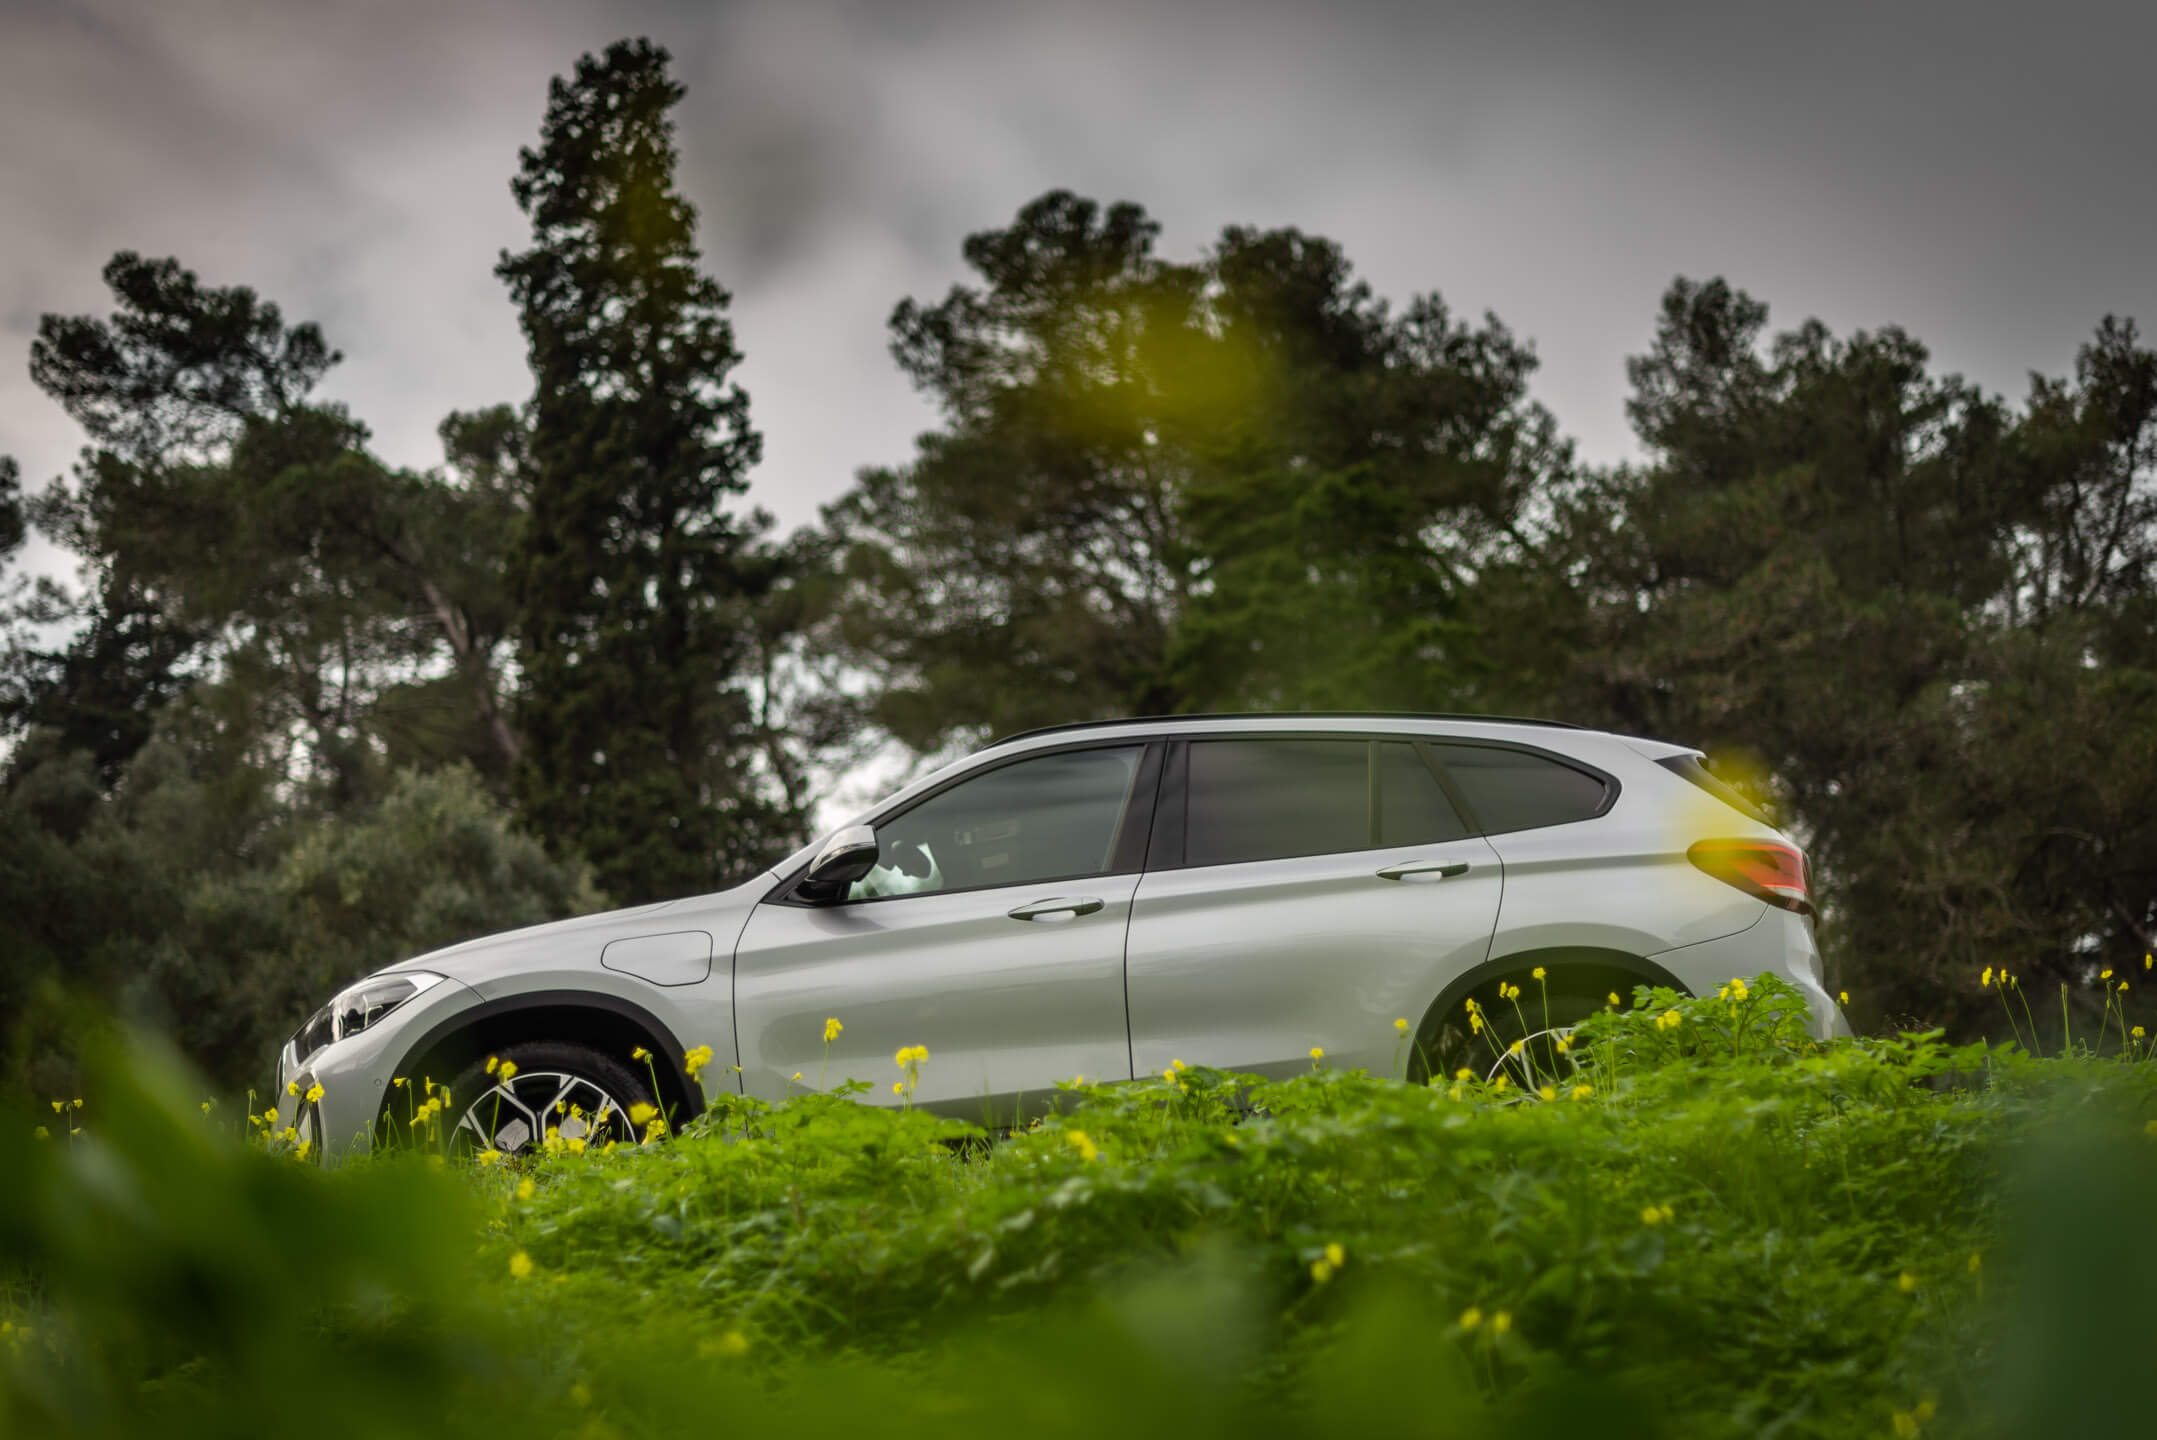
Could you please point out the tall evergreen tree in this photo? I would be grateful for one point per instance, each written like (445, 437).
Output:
(632, 578)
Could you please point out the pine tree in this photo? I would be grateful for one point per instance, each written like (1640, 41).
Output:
(631, 576)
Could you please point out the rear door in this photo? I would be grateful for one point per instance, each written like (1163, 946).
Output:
(1303, 891)
(991, 932)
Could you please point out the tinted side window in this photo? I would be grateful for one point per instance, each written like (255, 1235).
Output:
(1412, 807)
(1270, 799)
(1050, 818)
(1513, 790)
(1274, 799)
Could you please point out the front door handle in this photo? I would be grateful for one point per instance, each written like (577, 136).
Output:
(1062, 905)
(1439, 868)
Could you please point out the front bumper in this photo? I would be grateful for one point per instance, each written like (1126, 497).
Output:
(356, 1073)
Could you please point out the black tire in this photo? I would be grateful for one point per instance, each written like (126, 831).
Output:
(1450, 1043)
(560, 1085)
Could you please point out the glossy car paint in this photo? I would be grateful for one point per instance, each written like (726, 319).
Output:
(1246, 966)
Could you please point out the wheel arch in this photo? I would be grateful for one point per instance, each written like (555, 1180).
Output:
(605, 1022)
(1565, 962)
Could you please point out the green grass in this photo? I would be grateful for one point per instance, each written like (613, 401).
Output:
(1717, 1227)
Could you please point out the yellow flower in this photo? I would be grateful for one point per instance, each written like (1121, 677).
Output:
(2136, 1032)
(1984, 981)
(898, 1087)
(1475, 1023)
(1669, 1020)
(1655, 1215)
(1926, 1409)
(314, 1094)
(1464, 1073)
(1401, 1025)
(520, 1266)
(1321, 1272)
(492, 1061)
(42, 1133)
(1177, 1065)
(489, 1156)
(1548, 1092)
(1583, 1091)
(576, 1146)
(1317, 1053)
(525, 1188)
(269, 1117)
(642, 1113)
(1502, 1321)
(59, 1107)
(1977, 1261)
(77, 1103)
(1613, 998)
(1080, 1141)
(1335, 1255)
(2105, 975)
(797, 1074)
(729, 1345)
(1906, 1282)
(507, 1072)
(1843, 996)
(832, 1027)
(640, 1053)
(910, 1055)
(1537, 972)
(399, 1082)
(292, 1087)
(1516, 1047)
(1470, 1318)
(1499, 1084)
(696, 1060)
(1905, 1425)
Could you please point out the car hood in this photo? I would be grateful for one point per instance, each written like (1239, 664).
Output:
(580, 938)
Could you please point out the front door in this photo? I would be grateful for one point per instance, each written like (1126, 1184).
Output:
(1320, 890)
(991, 932)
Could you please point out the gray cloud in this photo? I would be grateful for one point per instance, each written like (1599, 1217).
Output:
(1976, 174)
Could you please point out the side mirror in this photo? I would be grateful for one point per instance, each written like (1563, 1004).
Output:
(844, 858)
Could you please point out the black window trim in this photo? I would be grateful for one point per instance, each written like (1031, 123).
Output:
(1128, 850)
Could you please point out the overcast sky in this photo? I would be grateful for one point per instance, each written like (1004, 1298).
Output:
(1978, 174)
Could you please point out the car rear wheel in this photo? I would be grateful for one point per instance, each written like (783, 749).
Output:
(1525, 1039)
(554, 1088)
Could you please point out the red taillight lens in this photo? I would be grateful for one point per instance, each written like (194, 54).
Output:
(1769, 869)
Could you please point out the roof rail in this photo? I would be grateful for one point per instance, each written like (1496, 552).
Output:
(1287, 715)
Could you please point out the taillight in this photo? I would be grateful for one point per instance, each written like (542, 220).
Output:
(1767, 868)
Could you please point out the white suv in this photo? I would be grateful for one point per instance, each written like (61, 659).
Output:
(1235, 891)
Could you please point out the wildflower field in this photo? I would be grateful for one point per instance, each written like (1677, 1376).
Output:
(1697, 1222)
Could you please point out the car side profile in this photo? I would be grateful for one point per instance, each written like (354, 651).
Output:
(1104, 900)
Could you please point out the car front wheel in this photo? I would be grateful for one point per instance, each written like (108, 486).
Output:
(518, 1098)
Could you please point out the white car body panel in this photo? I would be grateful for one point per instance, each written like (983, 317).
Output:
(1006, 1007)
(1244, 966)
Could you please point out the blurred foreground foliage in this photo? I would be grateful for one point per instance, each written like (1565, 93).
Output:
(1735, 1232)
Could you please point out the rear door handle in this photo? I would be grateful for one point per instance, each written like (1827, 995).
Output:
(1439, 868)
(1062, 905)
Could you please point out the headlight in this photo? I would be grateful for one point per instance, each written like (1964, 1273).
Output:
(357, 1007)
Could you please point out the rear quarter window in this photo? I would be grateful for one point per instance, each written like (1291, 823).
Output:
(1516, 790)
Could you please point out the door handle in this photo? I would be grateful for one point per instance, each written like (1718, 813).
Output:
(1062, 905)
(1439, 868)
